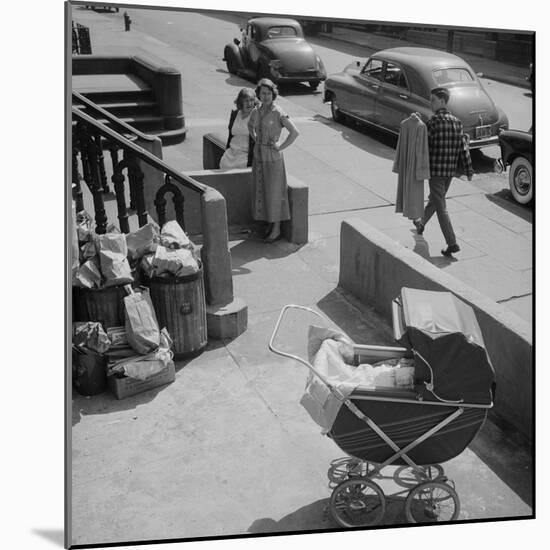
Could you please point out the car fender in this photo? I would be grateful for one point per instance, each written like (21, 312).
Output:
(514, 143)
(234, 51)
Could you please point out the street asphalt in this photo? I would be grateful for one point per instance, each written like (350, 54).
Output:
(227, 449)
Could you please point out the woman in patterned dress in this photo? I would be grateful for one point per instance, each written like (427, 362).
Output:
(269, 187)
(238, 152)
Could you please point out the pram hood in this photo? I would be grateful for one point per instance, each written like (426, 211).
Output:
(445, 332)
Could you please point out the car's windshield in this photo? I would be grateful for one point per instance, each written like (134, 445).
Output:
(281, 32)
(452, 76)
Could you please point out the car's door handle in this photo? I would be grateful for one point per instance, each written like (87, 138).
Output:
(374, 86)
(402, 96)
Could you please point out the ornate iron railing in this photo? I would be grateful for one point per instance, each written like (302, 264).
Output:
(91, 139)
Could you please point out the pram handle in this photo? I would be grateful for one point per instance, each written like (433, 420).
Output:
(326, 322)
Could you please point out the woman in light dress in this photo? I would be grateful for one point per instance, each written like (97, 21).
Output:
(269, 186)
(239, 148)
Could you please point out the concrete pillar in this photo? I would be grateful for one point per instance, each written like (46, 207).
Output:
(226, 316)
(152, 178)
(168, 93)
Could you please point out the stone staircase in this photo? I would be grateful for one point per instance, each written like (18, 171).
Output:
(133, 91)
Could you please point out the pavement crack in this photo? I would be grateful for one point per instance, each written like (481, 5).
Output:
(526, 295)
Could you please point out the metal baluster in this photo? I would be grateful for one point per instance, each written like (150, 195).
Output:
(178, 205)
(95, 186)
(128, 157)
(160, 204)
(77, 190)
(101, 164)
(177, 198)
(113, 150)
(118, 182)
(81, 140)
(136, 181)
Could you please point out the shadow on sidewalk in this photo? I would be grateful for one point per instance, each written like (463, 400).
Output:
(107, 403)
(316, 517)
(354, 133)
(252, 248)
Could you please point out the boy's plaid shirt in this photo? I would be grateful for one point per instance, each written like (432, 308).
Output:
(448, 146)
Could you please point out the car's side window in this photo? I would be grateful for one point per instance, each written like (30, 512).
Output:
(373, 69)
(395, 76)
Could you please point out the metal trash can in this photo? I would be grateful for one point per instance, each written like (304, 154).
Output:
(180, 306)
(104, 305)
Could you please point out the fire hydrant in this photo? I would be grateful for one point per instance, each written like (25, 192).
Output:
(127, 21)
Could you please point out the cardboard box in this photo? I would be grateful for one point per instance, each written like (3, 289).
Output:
(126, 387)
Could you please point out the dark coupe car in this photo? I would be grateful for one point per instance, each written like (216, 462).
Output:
(394, 83)
(516, 149)
(274, 48)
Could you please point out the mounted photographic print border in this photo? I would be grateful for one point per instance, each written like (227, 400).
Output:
(163, 464)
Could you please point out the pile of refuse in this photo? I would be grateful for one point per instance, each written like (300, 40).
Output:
(115, 258)
(136, 355)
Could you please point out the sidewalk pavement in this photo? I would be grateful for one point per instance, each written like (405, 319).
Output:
(227, 449)
(491, 68)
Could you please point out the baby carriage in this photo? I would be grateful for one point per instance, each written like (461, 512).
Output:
(414, 427)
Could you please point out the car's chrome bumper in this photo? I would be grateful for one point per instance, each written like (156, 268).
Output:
(485, 142)
(290, 79)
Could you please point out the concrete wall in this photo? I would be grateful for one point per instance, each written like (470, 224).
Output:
(235, 186)
(374, 268)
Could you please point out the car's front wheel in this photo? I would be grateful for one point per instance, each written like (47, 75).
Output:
(229, 57)
(521, 180)
(335, 110)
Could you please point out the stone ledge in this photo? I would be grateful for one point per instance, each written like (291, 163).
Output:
(374, 268)
(227, 321)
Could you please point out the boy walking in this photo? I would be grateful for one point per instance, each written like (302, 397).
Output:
(448, 148)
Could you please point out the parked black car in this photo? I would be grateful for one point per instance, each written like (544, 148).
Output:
(274, 48)
(516, 149)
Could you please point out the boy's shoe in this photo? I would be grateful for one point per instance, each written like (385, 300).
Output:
(451, 249)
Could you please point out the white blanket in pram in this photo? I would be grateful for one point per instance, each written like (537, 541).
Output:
(327, 350)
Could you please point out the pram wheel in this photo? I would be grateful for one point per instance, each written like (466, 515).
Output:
(345, 468)
(357, 503)
(406, 476)
(431, 502)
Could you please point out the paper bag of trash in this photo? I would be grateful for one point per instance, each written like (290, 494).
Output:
(147, 266)
(83, 226)
(178, 262)
(117, 336)
(173, 236)
(112, 251)
(143, 367)
(143, 241)
(88, 275)
(87, 251)
(142, 329)
(75, 251)
(90, 335)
